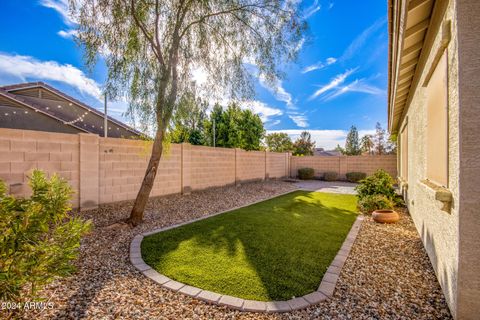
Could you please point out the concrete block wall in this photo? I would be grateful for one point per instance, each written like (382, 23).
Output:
(212, 167)
(250, 165)
(277, 164)
(21, 151)
(344, 164)
(105, 170)
(123, 162)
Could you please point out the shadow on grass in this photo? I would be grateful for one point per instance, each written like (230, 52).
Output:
(272, 250)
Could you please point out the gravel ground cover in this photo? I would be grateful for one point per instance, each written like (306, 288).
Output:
(387, 275)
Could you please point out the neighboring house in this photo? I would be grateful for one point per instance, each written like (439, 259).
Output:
(323, 152)
(434, 107)
(38, 106)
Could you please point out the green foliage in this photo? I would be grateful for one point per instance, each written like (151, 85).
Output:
(304, 146)
(188, 121)
(279, 142)
(379, 183)
(356, 176)
(330, 176)
(382, 143)
(234, 128)
(370, 203)
(306, 173)
(352, 145)
(367, 144)
(38, 238)
(153, 48)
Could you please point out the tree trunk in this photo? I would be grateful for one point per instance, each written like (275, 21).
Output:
(136, 216)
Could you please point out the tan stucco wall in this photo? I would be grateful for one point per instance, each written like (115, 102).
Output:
(468, 27)
(438, 229)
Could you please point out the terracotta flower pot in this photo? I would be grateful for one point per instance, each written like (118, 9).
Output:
(385, 216)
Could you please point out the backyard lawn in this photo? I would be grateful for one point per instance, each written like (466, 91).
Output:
(272, 250)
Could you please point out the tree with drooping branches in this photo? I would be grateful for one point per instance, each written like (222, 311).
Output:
(153, 47)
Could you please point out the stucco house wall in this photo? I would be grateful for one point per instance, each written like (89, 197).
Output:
(438, 229)
(450, 236)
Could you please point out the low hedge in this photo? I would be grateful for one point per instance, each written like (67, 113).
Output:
(370, 203)
(356, 176)
(306, 173)
(330, 176)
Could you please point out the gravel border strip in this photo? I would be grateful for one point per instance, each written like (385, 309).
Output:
(324, 291)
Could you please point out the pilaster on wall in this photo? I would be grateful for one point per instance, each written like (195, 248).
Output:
(89, 171)
(266, 166)
(237, 166)
(342, 167)
(287, 164)
(186, 168)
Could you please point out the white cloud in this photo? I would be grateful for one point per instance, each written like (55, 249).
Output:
(299, 119)
(67, 34)
(327, 139)
(334, 83)
(330, 5)
(262, 109)
(274, 123)
(26, 68)
(310, 11)
(319, 65)
(360, 40)
(61, 6)
(278, 91)
(355, 86)
(299, 45)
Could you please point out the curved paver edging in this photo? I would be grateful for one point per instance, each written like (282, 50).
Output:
(324, 291)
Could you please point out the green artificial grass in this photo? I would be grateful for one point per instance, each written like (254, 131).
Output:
(272, 250)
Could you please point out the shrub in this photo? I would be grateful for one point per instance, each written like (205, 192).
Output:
(330, 176)
(379, 183)
(371, 203)
(306, 173)
(38, 238)
(356, 176)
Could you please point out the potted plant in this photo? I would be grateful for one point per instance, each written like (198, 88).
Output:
(377, 195)
(385, 216)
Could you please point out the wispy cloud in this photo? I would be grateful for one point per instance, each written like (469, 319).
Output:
(358, 85)
(299, 118)
(273, 123)
(360, 40)
(61, 6)
(67, 34)
(319, 65)
(310, 11)
(300, 44)
(26, 68)
(334, 83)
(276, 88)
(262, 109)
(330, 5)
(327, 139)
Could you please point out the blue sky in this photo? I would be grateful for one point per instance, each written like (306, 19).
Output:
(339, 80)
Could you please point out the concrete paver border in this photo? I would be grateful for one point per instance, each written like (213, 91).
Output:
(324, 291)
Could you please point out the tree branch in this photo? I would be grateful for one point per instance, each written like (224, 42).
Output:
(155, 47)
(227, 11)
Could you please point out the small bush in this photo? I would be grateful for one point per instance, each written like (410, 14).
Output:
(330, 176)
(356, 176)
(38, 238)
(379, 183)
(369, 204)
(306, 173)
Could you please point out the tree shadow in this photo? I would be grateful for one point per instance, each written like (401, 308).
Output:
(287, 243)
